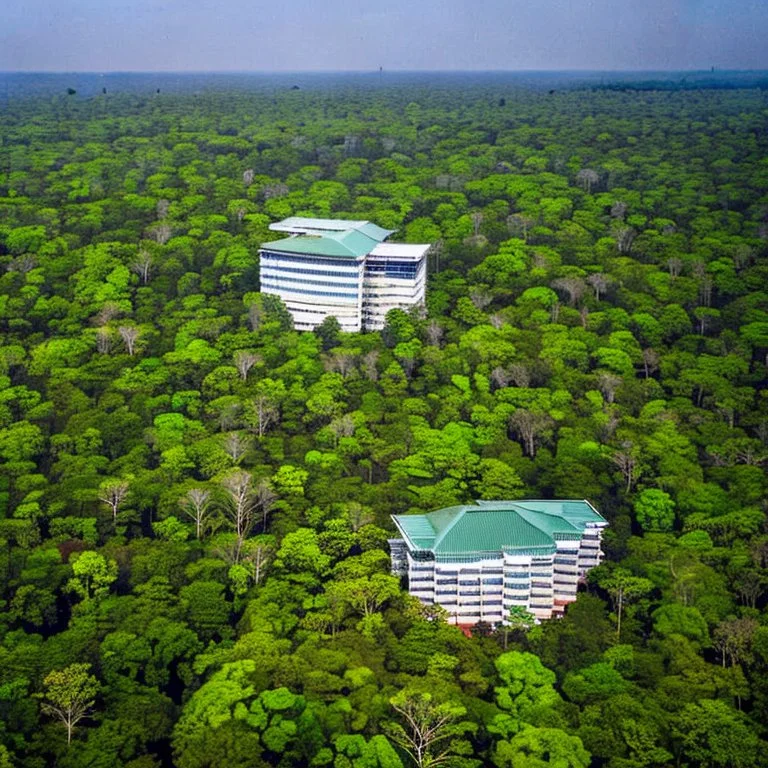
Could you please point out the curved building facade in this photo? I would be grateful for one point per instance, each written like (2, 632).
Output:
(479, 560)
(341, 268)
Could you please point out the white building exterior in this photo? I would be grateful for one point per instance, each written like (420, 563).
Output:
(341, 268)
(479, 560)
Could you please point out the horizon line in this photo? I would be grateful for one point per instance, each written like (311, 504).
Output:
(711, 70)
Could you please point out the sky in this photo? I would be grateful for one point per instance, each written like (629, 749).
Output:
(362, 35)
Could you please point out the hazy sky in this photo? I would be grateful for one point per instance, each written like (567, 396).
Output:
(294, 35)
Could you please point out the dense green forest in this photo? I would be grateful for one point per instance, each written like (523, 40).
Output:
(195, 498)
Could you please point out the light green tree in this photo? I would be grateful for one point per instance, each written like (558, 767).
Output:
(70, 693)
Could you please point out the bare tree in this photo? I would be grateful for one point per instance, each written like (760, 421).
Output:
(587, 177)
(104, 340)
(733, 638)
(236, 446)
(608, 383)
(259, 555)
(265, 413)
(340, 362)
(248, 177)
(368, 365)
(705, 290)
(500, 377)
(160, 232)
(142, 266)
(197, 504)
(278, 189)
(162, 208)
(520, 374)
(244, 361)
(130, 335)
(22, 264)
(626, 460)
(529, 427)
(426, 728)
(434, 333)
(108, 312)
(675, 266)
(480, 298)
(574, 287)
(599, 283)
(519, 224)
(343, 426)
(240, 505)
(625, 237)
(113, 493)
(651, 361)
(265, 499)
(619, 210)
(477, 219)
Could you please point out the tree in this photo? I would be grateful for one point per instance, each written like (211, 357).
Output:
(113, 493)
(587, 177)
(529, 426)
(655, 510)
(93, 574)
(142, 266)
(710, 733)
(539, 747)
(426, 726)
(70, 694)
(130, 335)
(197, 504)
(623, 588)
(599, 283)
(244, 361)
(626, 459)
(519, 620)
(240, 505)
(733, 638)
(236, 446)
(574, 287)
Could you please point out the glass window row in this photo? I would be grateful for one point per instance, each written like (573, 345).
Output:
(290, 289)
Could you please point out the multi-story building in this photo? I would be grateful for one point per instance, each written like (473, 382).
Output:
(479, 560)
(341, 268)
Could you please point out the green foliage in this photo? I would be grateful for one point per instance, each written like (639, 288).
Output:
(595, 328)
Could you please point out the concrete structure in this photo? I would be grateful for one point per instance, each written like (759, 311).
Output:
(478, 560)
(341, 268)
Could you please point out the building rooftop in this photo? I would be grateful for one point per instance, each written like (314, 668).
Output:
(340, 238)
(400, 250)
(302, 225)
(492, 527)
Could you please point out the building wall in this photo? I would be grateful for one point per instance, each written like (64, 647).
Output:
(485, 590)
(313, 287)
(359, 293)
(389, 284)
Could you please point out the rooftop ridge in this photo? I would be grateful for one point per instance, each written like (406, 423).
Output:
(497, 525)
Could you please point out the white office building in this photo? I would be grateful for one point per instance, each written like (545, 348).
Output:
(341, 268)
(479, 560)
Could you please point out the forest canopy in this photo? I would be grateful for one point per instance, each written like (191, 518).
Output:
(195, 499)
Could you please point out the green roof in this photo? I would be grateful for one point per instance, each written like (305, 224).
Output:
(493, 527)
(303, 225)
(351, 244)
(342, 238)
